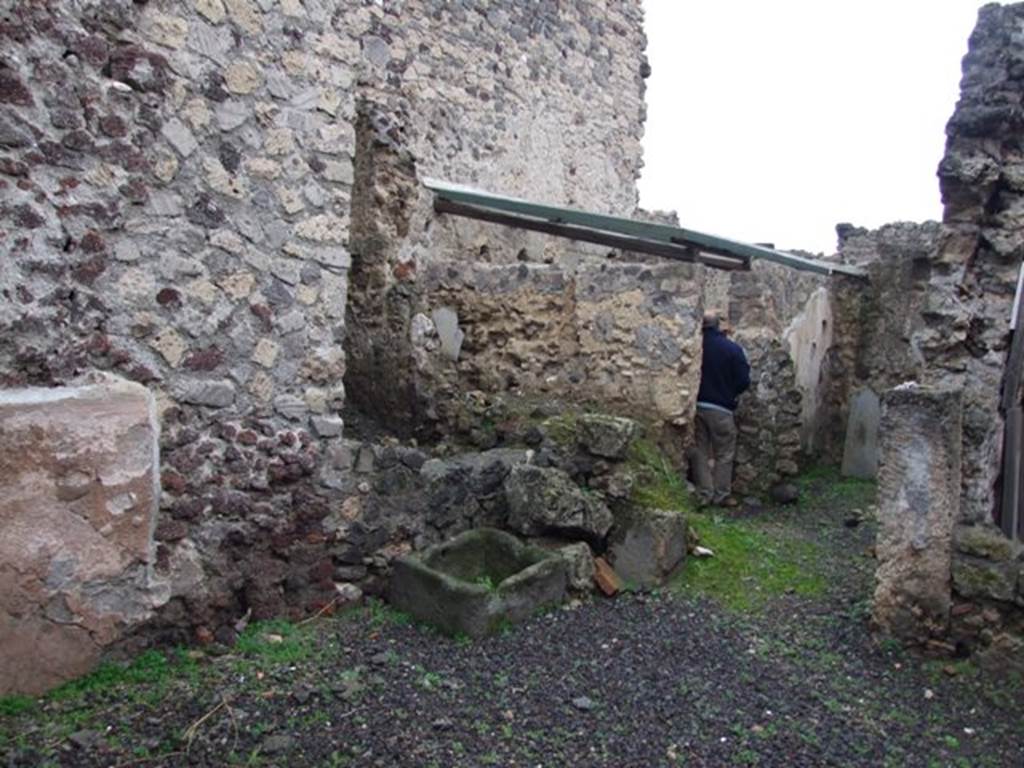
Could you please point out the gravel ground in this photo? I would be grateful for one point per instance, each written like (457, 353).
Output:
(644, 680)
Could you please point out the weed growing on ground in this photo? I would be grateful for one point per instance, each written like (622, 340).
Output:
(276, 641)
(379, 613)
(824, 484)
(752, 563)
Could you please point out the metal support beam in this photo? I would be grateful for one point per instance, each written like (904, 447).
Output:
(637, 245)
(641, 230)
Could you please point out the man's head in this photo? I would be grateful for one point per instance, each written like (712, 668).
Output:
(711, 321)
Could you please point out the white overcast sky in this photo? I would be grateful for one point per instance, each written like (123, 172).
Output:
(774, 121)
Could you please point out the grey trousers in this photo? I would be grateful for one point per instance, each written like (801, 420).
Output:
(716, 439)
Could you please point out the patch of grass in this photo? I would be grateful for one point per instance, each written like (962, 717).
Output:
(150, 668)
(824, 483)
(487, 583)
(379, 613)
(276, 641)
(752, 563)
(659, 485)
(16, 705)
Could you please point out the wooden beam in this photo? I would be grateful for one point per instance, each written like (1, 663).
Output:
(621, 242)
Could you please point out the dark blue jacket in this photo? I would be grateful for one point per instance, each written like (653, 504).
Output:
(724, 370)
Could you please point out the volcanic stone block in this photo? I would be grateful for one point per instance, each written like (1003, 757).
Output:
(78, 501)
(860, 451)
(919, 499)
(579, 561)
(646, 545)
(607, 436)
(544, 500)
(477, 582)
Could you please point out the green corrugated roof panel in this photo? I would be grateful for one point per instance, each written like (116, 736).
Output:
(742, 253)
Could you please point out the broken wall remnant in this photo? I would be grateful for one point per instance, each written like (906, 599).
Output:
(877, 324)
(78, 504)
(182, 189)
(919, 502)
(954, 323)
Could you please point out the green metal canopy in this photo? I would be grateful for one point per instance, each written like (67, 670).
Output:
(626, 234)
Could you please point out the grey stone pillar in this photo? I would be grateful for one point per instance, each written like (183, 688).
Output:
(918, 501)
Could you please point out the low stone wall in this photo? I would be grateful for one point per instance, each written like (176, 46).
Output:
(79, 481)
(625, 336)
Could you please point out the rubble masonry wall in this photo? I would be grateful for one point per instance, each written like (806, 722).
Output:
(186, 185)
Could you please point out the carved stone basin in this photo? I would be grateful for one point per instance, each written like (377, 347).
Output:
(478, 582)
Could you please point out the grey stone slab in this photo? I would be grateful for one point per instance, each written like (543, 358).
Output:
(860, 451)
(446, 321)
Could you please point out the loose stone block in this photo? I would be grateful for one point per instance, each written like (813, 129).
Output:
(545, 501)
(328, 426)
(78, 500)
(646, 545)
(265, 353)
(919, 499)
(607, 436)
(215, 394)
(860, 451)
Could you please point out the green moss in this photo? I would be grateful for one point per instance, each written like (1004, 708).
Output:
(659, 485)
(562, 429)
(752, 563)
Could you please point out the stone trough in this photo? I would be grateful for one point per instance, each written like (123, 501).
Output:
(477, 582)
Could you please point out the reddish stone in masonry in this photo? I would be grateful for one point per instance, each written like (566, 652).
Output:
(12, 90)
(204, 359)
(168, 296)
(91, 242)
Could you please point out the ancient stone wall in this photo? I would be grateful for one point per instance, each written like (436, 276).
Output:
(183, 183)
(550, 109)
(966, 336)
(876, 323)
(767, 309)
(952, 321)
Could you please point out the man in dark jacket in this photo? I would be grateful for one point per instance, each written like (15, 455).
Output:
(724, 376)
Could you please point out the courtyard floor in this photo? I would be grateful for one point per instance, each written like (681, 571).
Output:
(759, 656)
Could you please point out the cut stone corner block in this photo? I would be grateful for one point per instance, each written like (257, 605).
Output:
(477, 582)
(646, 545)
(920, 438)
(79, 489)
